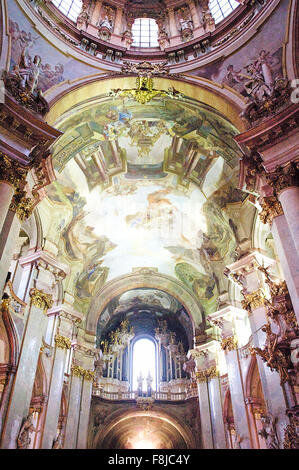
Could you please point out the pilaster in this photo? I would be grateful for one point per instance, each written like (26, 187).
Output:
(261, 302)
(225, 320)
(209, 394)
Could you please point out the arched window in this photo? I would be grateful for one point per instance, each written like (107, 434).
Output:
(145, 32)
(222, 8)
(70, 8)
(144, 363)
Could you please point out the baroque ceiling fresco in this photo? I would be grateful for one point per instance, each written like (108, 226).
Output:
(145, 186)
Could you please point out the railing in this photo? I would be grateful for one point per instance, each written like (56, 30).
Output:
(16, 305)
(157, 396)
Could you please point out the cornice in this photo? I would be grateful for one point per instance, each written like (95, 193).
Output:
(226, 26)
(271, 131)
(66, 311)
(41, 256)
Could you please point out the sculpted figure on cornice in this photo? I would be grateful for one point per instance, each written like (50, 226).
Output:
(261, 82)
(28, 73)
(22, 81)
(106, 24)
(185, 23)
(84, 17)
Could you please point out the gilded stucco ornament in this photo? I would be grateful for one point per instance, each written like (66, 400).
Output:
(61, 342)
(41, 300)
(229, 344)
(275, 355)
(144, 92)
(23, 206)
(11, 172)
(5, 304)
(271, 208)
(291, 436)
(88, 375)
(77, 371)
(283, 177)
(210, 373)
(254, 300)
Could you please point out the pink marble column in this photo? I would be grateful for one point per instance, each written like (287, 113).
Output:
(118, 21)
(252, 281)
(289, 199)
(288, 257)
(6, 194)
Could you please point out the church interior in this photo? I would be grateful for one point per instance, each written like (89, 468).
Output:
(149, 224)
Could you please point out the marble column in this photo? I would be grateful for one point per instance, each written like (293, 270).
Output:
(6, 194)
(118, 21)
(284, 182)
(8, 240)
(66, 319)
(247, 274)
(273, 214)
(172, 22)
(23, 384)
(62, 344)
(224, 318)
(210, 400)
(96, 13)
(85, 409)
(12, 178)
(289, 199)
(71, 431)
(194, 13)
(80, 392)
(205, 413)
(216, 410)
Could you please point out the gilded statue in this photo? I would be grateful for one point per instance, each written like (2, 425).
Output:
(273, 356)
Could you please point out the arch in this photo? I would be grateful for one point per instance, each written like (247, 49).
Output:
(141, 279)
(12, 338)
(119, 417)
(253, 386)
(226, 101)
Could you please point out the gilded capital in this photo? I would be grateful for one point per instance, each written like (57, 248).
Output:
(88, 375)
(229, 344)
(271, 208)
(200, 376)
(77, 371)
(5, 304)
(41, 300)
(11, 172)
(254, 300)
(61, 342)
(22, 205)
(209, 373)
(283, 177)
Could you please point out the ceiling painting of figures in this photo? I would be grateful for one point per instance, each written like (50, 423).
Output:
(145, 186)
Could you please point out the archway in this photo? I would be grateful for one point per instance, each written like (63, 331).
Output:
(144, 429)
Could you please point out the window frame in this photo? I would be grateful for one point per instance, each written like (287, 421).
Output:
(131, 360)
(69, 8)
(139, 28)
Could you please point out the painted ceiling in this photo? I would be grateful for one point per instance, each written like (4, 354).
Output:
(145, 186)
